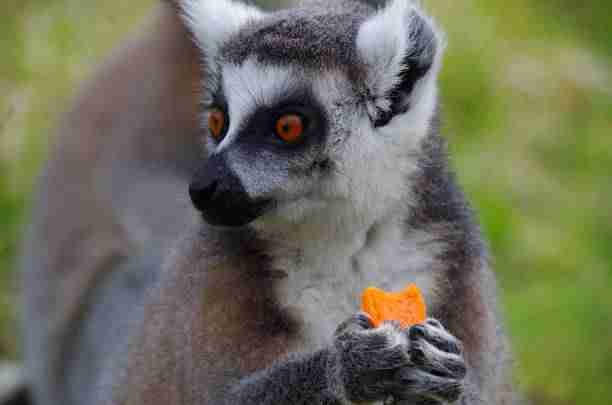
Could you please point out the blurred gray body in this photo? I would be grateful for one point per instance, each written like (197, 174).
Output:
(113, 197)
(131, 299)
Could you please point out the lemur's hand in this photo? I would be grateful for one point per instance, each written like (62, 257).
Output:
(420, 365)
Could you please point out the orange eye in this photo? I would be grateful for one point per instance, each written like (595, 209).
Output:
(216, 123)
(290, 128)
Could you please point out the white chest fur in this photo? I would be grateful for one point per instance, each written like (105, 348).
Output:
(326, 278)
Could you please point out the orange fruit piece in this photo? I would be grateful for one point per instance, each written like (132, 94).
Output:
(407, 306)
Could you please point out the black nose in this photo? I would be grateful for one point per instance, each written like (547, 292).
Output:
(220, 196)
(202, 193)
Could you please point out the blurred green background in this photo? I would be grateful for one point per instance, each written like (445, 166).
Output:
(527, 94)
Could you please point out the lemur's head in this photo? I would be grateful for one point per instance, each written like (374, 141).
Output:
(319, 106)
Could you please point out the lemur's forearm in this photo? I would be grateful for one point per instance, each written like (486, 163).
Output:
(303, 379)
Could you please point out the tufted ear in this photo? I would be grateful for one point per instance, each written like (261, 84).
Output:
(401, 48)
(213, 21)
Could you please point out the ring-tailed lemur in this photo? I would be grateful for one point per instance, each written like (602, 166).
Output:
(325, 174)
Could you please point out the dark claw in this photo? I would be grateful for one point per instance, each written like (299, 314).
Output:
(416, 332)
(364, 320)
(436, 335)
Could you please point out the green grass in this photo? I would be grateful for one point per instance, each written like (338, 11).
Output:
(527, 93)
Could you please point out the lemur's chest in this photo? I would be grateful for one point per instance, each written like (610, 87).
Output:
(324, 286)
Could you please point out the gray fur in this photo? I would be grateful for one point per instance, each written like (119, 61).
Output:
(315, 37)
(134, 300)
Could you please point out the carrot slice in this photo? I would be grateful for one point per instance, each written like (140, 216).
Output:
(407, 306)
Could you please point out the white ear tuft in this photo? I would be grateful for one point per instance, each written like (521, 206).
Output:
(382, 40)
(213, 21)
(399, 45)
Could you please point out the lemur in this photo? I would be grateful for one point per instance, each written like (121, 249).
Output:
(222, 193)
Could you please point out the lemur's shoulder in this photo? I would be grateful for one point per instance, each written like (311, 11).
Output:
(440, 202)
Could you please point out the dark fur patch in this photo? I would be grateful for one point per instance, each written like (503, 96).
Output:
(439, 198)
(258, 279)
(310, 37)
(270, 319)
(258, 130)
(441, 201)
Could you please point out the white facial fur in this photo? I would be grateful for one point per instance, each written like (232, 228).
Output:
(373, 165)
(248, 86)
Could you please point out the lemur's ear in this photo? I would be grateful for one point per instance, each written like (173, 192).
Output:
(401, 48)
(213, 21)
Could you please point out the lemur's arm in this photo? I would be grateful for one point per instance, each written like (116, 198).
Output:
(297, 380)
(420, 365)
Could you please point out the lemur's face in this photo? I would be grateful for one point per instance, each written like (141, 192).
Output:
(309, 108)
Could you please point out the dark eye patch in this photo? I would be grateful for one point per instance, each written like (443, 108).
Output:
(260, 128)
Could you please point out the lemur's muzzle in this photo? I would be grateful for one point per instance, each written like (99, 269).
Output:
(220, 196)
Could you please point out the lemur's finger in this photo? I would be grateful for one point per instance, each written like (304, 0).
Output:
(356, 323)
(418, 383)
(435, 335)
(383, 348)
(434, 323)
(437, 362)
